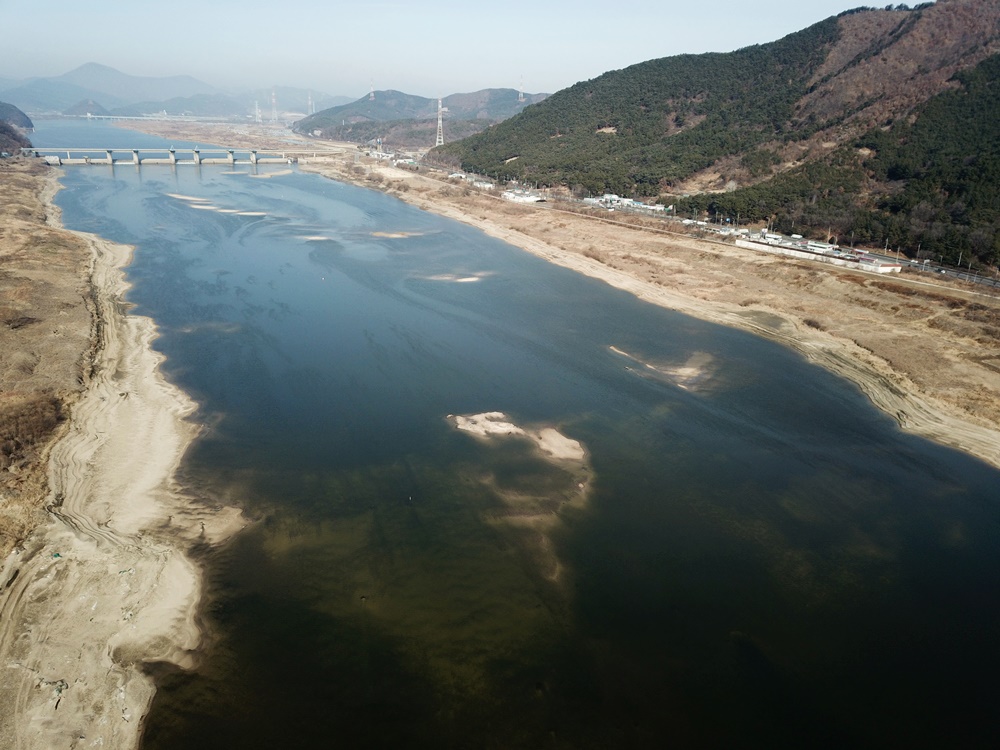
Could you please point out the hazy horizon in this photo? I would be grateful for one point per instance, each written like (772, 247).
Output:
(432, 49)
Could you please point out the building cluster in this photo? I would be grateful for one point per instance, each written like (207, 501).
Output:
(476, 182)
(522, 196)
(798, 247)
(614, 202)
(763, 240)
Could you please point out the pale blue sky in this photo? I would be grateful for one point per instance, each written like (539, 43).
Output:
(431, 48)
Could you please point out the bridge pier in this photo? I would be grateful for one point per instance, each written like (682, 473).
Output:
(221, 155)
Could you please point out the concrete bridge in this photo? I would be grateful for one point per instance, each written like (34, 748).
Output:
(171, 156)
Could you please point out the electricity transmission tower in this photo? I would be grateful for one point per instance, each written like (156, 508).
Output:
(439, 141)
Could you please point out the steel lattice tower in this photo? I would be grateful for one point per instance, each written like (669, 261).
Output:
(439, 141)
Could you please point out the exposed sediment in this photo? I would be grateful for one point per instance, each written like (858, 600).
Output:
(105, 584)
(925, 350)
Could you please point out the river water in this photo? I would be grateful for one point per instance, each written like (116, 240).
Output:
(748, 555)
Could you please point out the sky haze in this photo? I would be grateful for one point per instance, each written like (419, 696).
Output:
(431, 48)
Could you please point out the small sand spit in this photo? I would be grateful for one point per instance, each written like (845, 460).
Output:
(535, 515)
(551, 442)
(106, 585)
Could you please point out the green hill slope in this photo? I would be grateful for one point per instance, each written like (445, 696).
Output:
(929, 183)
(880, 124)
(638, 129)
(405, 119)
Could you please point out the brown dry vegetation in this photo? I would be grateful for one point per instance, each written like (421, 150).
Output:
(45, 340)
(884, 64)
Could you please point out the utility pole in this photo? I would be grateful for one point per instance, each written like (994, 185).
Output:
(439, 141)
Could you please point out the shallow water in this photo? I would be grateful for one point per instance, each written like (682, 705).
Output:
(749, 555)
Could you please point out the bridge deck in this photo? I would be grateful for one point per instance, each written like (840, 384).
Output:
(170, 155)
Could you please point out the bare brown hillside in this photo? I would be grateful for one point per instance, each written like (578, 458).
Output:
(45, 339)
(886, 63)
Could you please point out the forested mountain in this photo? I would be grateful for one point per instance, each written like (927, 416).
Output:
(14, 116)
(86, 107)
(880, 123)
(100, 83)
(11, 139)
(13, 123)
(406, 119)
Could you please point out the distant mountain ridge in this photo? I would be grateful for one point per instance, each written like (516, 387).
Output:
(402, 118)
(46, 96)
(838, 126)
(109, 87)
(86, 107)
(11, 114)
(123, 94)
(13, 123)
(101, 78)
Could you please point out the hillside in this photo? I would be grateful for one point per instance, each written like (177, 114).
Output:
(99, 83)
(11, 139)
(13, 123)
(200, 105)
(291, 99)
(84, 108)
(50, 96)
(124, 94)
(11, 114)
(95, 77)
(786, 120)
(405, 119)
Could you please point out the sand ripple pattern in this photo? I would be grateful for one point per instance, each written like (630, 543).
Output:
(105, 585)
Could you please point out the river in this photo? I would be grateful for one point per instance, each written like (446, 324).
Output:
(746, 554)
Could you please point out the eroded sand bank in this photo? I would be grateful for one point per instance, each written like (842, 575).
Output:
(105, 584)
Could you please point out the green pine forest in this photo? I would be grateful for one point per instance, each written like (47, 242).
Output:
(929, 186)
(927, 183)
(671, 117)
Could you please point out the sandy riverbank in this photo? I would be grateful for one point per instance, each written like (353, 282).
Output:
(925, 350)
(104, 584)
